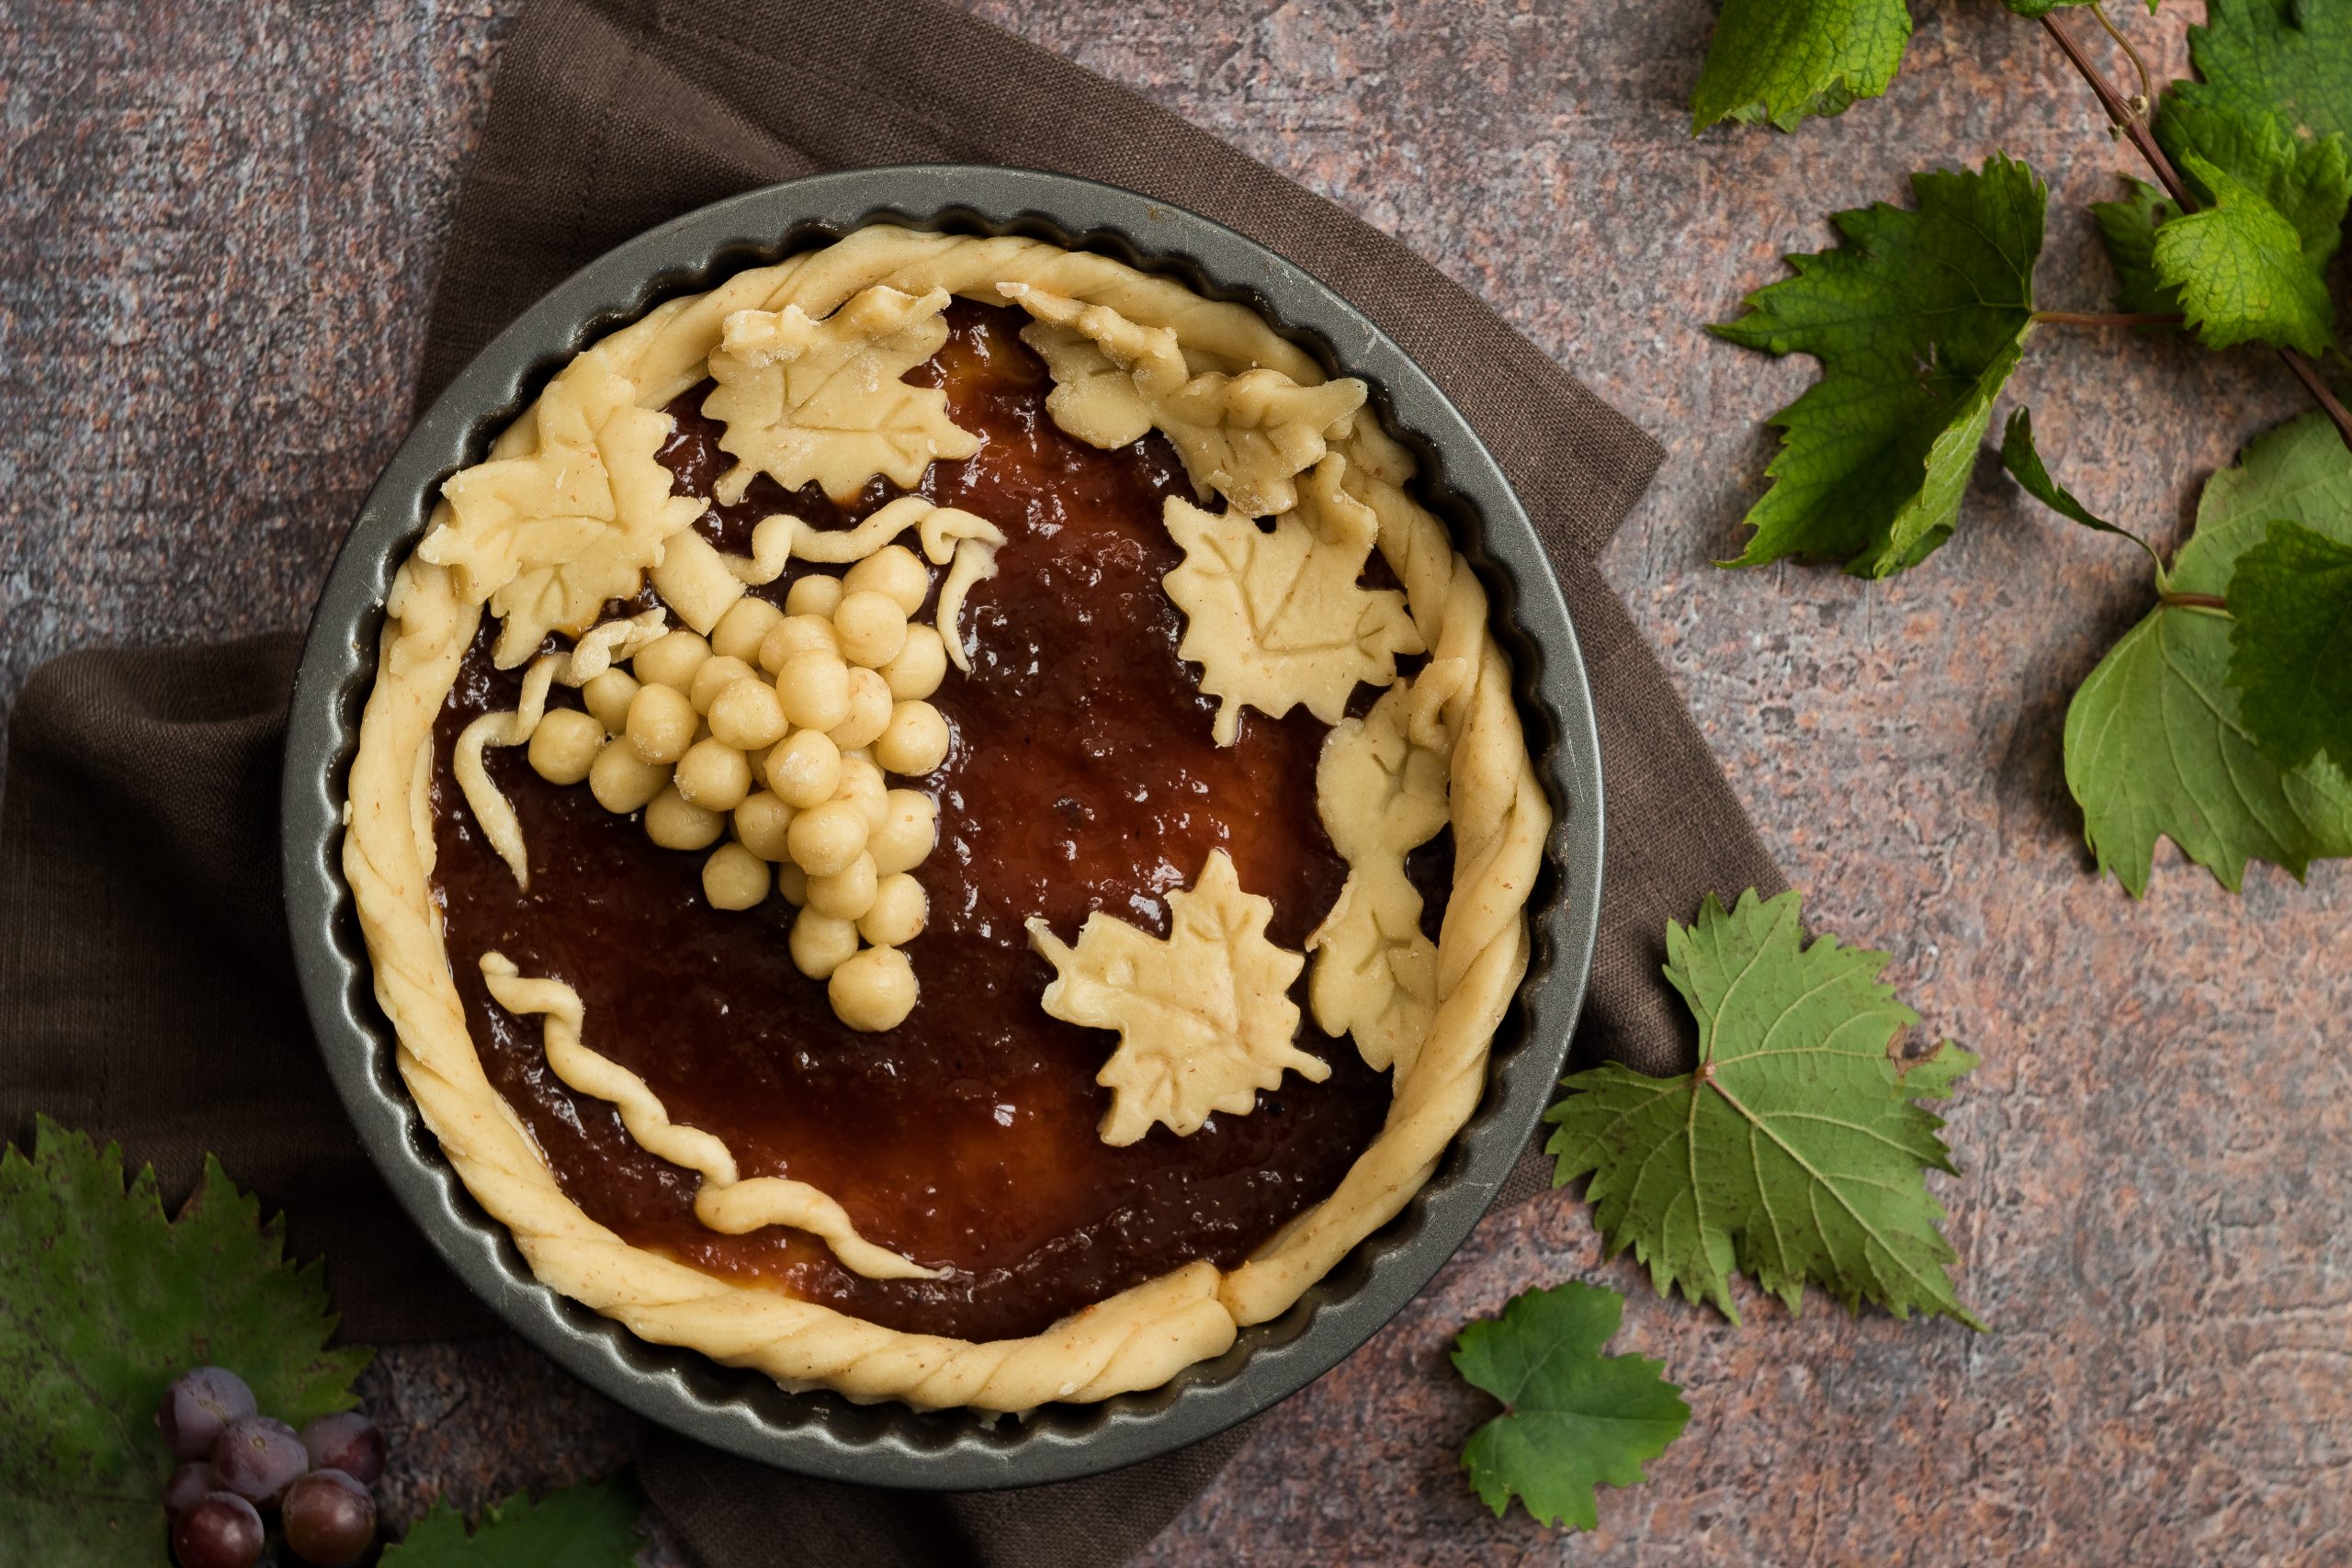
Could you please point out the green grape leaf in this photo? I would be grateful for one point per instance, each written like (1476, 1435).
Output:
(2288, 60)
(2129, 227)
(2157, 745)
(2271, 113)
(2241, 271)
(2291, 645)
(1917, 320)
(103, 1303)
(1796, 1150)
(2023, 459)
(2308, 180)
(1573, 1418)
(593, 1525)
(1782, 59)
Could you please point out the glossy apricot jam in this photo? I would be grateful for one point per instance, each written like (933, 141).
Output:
(1082, 777)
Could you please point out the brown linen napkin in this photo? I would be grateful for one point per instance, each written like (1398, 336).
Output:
(147, 989)
(145, 993)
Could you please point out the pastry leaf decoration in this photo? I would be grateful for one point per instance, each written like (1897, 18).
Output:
(2158, 742)
(1276, 616)
(1796, 1152)
(1573, 1418)
(823, 400)
(547, 540)
(1917, 319)
(1204, 1017)
(103, 1303)
(1381, 788)
(593, 1525)
(1246, 437)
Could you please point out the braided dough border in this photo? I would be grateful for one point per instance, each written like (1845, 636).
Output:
(1140, 1337)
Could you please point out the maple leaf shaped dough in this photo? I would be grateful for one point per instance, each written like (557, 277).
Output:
(547, 540)
(1204, 1020)
(805, 400)
(1247, 438)
(1277, 619)
(1380, 790)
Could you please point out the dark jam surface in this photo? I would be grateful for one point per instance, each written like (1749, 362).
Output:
(1082, 777)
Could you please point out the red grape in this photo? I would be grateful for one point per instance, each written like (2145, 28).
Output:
(187, 1486)
(197, 1405)
(330, 1519)
(346, 1442)
(220, 1531)
(258, 1458)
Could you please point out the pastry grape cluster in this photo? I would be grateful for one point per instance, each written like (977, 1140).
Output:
(238, 1465)
(772, 739)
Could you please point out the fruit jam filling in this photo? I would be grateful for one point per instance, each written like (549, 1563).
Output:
(1080, 776)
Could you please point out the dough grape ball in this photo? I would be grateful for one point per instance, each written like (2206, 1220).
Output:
(734, 878)
(564, 747)
(847, 894)
(744, 627)
(621, 780)
(871, 626)
(896, 573)
(920, 666)
(820, 944)
(898, 913)
(873, 990)
(761, 823)
(748, 714)
(671, 659)
(676, 823)
(909, 828)
(715, 676)
(815, 690)
(826, 838)
(661, 723)
(793, 636)
(915, 741)
(869, 711)
(815, 594)
(714, 775)
(608, 697)
(862, 782)
(806, 769)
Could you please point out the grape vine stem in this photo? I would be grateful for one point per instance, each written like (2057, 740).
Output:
(2119, 114)
(2108, 319)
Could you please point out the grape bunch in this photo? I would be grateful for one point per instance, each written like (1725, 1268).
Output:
(239, 1465)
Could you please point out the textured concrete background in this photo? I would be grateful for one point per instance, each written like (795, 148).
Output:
(217, 218)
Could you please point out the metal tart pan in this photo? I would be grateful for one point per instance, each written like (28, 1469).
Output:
(819, 1433)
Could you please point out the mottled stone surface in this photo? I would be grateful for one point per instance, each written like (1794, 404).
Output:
(218, 215)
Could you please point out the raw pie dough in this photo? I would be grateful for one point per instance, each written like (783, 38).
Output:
(572, 511)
